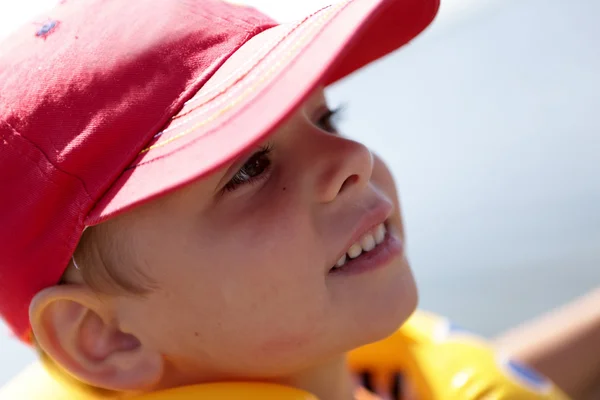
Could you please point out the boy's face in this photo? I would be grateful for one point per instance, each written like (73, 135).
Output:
(242, 259)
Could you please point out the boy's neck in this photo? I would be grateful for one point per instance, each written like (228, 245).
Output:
(331, 380)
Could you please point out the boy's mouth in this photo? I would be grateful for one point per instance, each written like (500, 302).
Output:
(372, 243)
(366, 243)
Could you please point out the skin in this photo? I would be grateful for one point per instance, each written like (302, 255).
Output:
(242, 283)
(561, 344)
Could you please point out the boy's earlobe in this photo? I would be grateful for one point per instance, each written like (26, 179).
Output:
(79, 333)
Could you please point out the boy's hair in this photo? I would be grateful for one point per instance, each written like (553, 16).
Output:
(108, 264)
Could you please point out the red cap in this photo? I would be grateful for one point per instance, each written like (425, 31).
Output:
(104, 105)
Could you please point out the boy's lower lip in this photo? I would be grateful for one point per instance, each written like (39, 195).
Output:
(377, 258)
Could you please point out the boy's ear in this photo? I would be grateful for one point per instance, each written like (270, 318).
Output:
(80, 333)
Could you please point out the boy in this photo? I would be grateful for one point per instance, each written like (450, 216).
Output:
(178, 206)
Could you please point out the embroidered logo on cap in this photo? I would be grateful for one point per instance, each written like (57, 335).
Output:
(47, 28)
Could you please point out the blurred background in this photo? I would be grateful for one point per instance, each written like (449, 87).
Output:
(490, 122)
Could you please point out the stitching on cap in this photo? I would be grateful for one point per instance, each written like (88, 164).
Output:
(235, 73)
(227, 81)
(212, 102)
(17, 133)
(166, 116)
(247, 92)
(81, 206)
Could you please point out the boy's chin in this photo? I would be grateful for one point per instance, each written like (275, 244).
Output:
(383, 324)
(380, 314)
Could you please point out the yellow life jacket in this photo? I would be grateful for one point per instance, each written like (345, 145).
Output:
(442, 361)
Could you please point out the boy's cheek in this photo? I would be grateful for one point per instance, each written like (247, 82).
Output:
(382, 178)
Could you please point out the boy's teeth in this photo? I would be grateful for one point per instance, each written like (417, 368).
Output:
(354, 250)
(379, 233)
(366, 243)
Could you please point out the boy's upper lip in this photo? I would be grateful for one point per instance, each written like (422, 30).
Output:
(377, 211)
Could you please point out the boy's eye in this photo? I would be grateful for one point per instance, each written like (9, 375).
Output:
(254, 169)
(328, 119)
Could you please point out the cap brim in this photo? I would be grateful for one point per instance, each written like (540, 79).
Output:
(257, 88)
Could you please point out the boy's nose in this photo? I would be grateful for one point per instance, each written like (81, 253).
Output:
(343, 166)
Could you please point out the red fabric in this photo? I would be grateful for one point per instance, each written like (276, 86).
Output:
(77, 106)
(83, 92)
